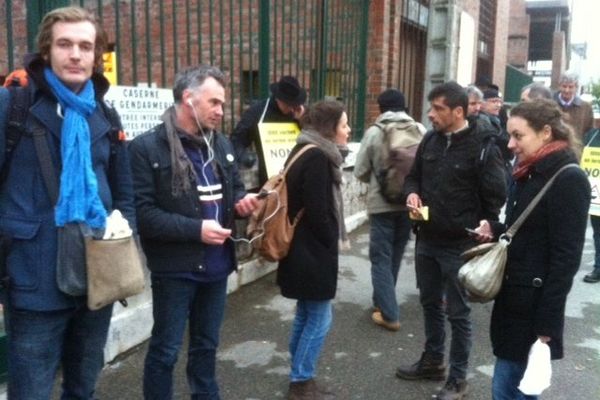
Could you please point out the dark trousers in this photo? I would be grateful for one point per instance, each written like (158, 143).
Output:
(175, 302)
(596, 229)
(389, 233)
(442, 296)
(41, 341)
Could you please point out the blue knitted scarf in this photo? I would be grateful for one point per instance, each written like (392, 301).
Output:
(78, 200)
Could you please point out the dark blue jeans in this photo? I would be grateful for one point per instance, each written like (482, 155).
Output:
(41, 341)
(505, 383)
(596, 230)
(441, 294)
(175, 302)
(388, 237)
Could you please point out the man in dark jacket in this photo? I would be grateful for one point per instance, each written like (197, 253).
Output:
(286, 104)
(460, 187)
(187, 193)
(491, 110)
(47, 327)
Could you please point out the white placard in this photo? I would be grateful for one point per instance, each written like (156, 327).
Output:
(140, 108)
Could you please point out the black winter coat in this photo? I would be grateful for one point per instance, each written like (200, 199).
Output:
(309, 271)
(246, 133)
(458, 187)
(543, 257)
(169, 227)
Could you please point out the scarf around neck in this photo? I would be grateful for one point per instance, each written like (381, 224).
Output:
(522, 169)
(183, 173)
(331, 150)
(78, 199)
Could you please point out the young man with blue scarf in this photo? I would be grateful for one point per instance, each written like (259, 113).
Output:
(48, 328)
(187, 194)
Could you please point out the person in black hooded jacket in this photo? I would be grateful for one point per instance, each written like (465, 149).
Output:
(286, 104)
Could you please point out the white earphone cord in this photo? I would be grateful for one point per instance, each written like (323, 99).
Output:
(210, 153)
(261, 229)
(211, 157)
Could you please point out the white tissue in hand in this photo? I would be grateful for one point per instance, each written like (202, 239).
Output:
(117, 227)
(538, 373)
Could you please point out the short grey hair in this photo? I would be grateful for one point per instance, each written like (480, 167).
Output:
(193, 77)
(473, 90)
(537, 90)
(568, 77)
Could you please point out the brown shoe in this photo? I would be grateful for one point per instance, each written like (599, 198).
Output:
(377, 317)
(308, 390)
(428, 367)
(454, 389)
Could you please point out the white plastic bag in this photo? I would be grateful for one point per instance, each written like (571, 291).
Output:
(539, 370)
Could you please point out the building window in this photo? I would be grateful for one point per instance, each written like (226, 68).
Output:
(487, 27)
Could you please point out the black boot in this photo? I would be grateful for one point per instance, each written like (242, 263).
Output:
(593, 276)
(428, 367)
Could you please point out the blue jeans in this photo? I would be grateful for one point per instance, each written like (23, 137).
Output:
(388, 237)
(441, 293)
(312, 322)
(596, 230)
(41, 341)
(507, 376)
(175, 301)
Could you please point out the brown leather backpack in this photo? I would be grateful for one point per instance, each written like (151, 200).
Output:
(269, 229)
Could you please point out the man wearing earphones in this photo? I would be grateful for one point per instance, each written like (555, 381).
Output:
(285, 105)
(188, 192)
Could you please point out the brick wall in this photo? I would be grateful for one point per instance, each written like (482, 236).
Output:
(518, 35)
(501, 43)
(396, 55)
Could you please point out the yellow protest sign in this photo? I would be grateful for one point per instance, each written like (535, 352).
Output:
(590, 163)
(278, 139)
(110, 66)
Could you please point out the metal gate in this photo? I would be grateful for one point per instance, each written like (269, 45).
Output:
(322, 42)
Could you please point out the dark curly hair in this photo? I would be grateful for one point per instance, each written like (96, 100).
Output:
(541, 112)
(454, 95)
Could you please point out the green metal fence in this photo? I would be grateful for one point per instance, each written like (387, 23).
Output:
(322, 42)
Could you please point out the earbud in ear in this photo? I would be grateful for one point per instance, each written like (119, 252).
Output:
(190, 102)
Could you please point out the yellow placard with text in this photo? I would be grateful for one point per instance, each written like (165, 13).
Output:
(278, 139)
(590, 163)
(110, 66)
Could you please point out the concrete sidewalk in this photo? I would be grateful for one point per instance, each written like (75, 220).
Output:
(359, 358)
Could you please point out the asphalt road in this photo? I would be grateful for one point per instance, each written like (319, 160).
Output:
(359, 358)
